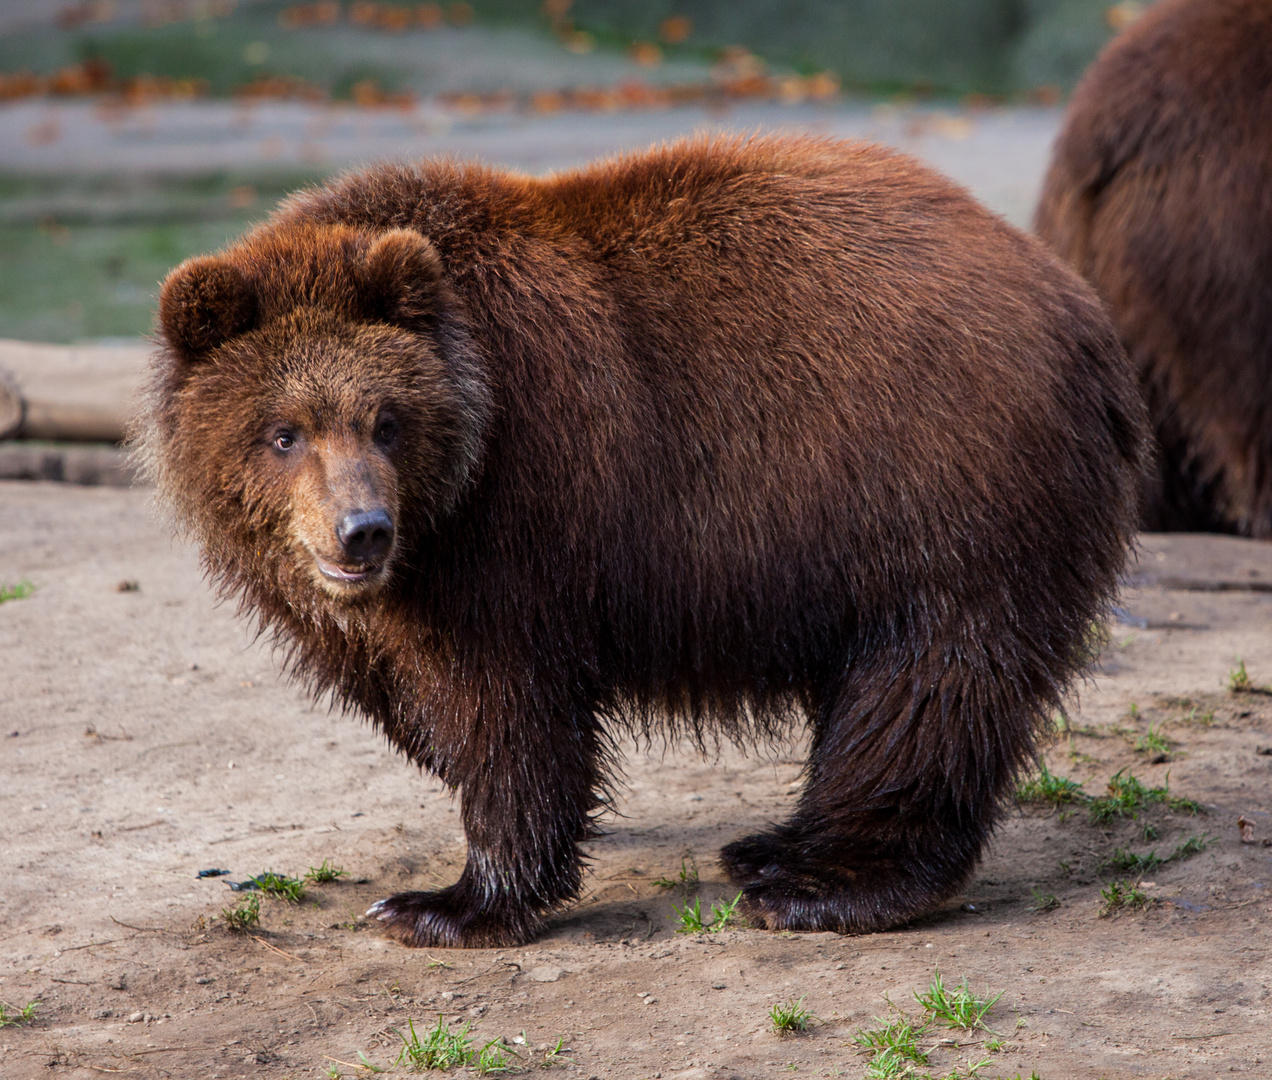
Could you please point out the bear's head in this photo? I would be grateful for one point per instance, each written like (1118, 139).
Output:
(317, 405)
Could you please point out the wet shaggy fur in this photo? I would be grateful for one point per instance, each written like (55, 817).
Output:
(705, 437)
(1160, 193)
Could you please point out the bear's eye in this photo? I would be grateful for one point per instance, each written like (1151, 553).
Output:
(284, 441)
(386, 431)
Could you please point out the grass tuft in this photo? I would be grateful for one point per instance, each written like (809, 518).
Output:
(11, 1015)
(1239, 679)
(241, 919)
(1153, 742)
(690, 917)
(1126, 861)
(1194, 845)
(686, 880)
(321, 875)
(1127, 796)
(1046, 787)
(724, 912)
(439, 1048)
(790, 1017)
(1044, 901)
(957, 1006)
(1123, 896)
(894, 1047)
(280, 886)
(692, 922)
(20, 591)
(495, 1057)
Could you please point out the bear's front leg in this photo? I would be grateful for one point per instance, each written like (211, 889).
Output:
(529, 787)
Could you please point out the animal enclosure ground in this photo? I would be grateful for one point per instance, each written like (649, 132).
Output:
(145, 737)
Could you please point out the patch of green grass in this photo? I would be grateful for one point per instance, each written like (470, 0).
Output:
(241, 919)
(1123, 896)
(1127, 796)
(553, 1055)
(894, 1047)
(280, 886)
(1153, 742)
(956, 1007)
(1239, 679)
(1194, 845)
(790, 1017)
(20, 591)
(495, 1057)
(321, 875)
(692, 922)
(11, 1015)
(724, 912)
(1044, 901)
(686, 880)
(1126, 861)
(439, 1048)
(690, 917)
(1046, 787)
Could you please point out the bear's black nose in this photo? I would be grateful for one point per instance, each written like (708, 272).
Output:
(365, 535)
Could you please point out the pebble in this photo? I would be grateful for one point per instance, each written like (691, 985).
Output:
(136, 1018)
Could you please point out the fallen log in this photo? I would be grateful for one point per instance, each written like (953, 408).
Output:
(68, 393)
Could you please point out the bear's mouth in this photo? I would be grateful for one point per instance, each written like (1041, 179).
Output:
(347, 574)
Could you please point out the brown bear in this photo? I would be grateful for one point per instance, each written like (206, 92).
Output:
(704, 438)
(1160, 194)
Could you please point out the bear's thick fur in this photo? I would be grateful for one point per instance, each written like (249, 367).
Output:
(1160, 194)
(703, 438)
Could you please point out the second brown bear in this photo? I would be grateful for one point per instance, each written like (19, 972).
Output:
(1160, 193)
(709, 437)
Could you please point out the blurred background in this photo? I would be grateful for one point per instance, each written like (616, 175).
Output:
(136, 132)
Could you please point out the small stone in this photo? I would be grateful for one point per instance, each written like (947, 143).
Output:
(651, 1001)
(136, 1018)
(203, 980)
(544, 973)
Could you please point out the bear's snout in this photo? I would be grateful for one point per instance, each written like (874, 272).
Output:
(366, 536)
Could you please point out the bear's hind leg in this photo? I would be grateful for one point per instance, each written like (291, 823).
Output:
(904, 779)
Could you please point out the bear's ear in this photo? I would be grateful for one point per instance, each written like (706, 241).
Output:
(204, 302)
(401, 274)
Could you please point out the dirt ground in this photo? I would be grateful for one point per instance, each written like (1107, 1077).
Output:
(145, 737)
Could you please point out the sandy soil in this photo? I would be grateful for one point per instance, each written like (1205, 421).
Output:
(145, 737)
